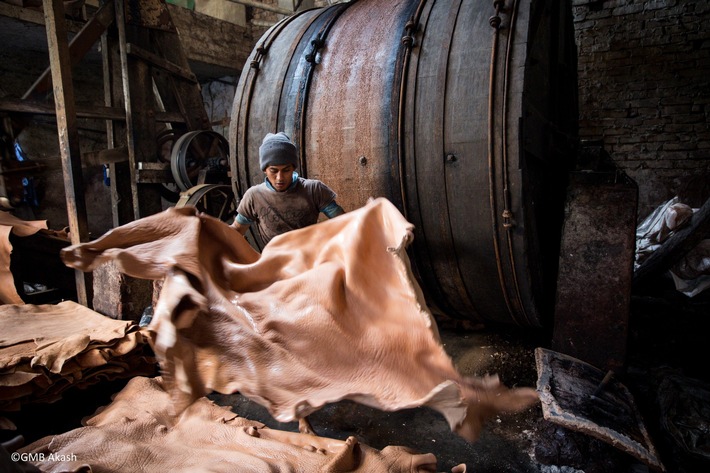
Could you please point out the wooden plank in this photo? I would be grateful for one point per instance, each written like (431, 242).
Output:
(185, 97)
(95, 112)
(34, 16)
(38, 108)
(157, 61)
(104, 156)
(264, 6)
(68, 136)
(79, 45)
(154, 173)
(676, 246)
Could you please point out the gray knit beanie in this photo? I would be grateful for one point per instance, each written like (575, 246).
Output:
(277, 149)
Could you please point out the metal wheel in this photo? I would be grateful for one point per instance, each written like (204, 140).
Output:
(166, 139)
(196, 154)
(216, 200)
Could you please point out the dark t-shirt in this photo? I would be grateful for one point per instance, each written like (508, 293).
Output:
(275, 213)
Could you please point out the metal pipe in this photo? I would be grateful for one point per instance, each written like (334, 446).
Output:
(264, 6)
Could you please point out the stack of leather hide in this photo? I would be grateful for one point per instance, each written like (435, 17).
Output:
(137, 433)
(46, 349)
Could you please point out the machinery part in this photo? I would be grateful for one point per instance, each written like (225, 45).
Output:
(199, 157)
(166, 140)
(216, 200)
(462, 113)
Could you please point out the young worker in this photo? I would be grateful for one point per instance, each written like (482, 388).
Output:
(284, 201)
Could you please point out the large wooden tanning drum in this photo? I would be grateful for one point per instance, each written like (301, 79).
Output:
(462, 112)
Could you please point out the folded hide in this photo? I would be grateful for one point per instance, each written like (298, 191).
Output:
(11, 224)
(144, 437)
(46, 349)
(325, 313)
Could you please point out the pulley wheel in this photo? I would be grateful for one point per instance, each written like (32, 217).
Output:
(216, 200)
(195, 152)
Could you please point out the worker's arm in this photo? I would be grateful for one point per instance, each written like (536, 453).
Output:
(241, 223)
(240, 228)
(332, 210)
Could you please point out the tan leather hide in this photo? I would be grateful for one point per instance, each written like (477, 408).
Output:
(8, 224)
(325, 313)
(46, 349)
(137, 433)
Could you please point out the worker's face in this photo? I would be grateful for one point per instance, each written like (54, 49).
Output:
(280, 176)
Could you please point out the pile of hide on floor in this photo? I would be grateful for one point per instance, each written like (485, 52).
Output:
(137, 433)
(325, 313)
(46, 349)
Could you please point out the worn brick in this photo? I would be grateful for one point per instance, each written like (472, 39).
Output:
(629, 9)
(644, 87)
(688, 119)
(680, 146)
(658, 4)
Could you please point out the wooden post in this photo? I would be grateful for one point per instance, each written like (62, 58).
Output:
(68, 135)
(140, 114)
(119, 172)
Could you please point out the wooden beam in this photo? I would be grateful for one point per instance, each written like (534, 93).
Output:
(79, 45)
(125, 79)
(157, 61)
(39, 108)
(119, 173)
(94, 112)
(264, 6)
(34, 16)
(140, 107)
(68, 135)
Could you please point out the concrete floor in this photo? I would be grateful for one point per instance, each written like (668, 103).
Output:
(668, 333)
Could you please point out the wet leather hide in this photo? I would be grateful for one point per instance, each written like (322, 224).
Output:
(138, 433)
(325, 313)
(47, 349)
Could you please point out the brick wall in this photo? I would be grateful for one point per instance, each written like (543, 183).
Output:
(644, 89)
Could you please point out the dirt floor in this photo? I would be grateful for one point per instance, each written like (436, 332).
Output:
(668, 340)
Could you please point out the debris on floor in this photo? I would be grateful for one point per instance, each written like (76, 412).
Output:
(685, 413)
(583, 398)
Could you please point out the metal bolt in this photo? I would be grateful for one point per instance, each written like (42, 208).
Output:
(450, 158)
(362, 160)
